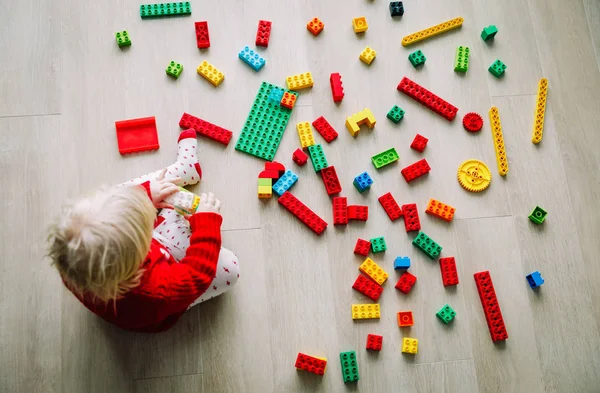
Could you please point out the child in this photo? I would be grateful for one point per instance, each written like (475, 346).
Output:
(133, 269)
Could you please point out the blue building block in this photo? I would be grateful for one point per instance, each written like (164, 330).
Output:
(276, 94)
(363, 182)
(535, 279)
(252, 58)
(285, 182)
(401, 263)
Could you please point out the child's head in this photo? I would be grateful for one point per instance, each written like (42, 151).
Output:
(99, 242)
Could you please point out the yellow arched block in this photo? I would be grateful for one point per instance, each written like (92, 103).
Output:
(432, 31)
(498, 141)
(540, 110)
(354, 122)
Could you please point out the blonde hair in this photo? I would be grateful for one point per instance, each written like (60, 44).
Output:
(100, 241)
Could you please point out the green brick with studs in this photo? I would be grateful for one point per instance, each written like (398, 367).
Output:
(395, 114)
(174, 69)
(349, 366)
(123, 38)
(497, 68)
(385, 158)
(461, 60)
(378, 244)
(317, 156)
(538, 215)
(165, 9)
(427, 245)
(446, 314)
(417, 58)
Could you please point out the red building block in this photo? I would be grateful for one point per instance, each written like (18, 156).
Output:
(136, 135)
(419, 143)
(362, 247)
(340, 210)
(263, 33)
(491, 308)
(202, 37)
(449, 273)
(325, 129)
(206, 129)
(288, 100)
(269, 174)
(299, 157)
(275, 166)
(374, 342)
(406, 282)
(405, 318)
(367, 287)
(358, 212)
(331, 181)
(303, 213)
(415, 170)
(337, 89)
(310, 364)
(411, 217)
(427, 98)
(390, 206)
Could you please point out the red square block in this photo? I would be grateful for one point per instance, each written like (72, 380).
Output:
(411, 217)
(299, 157)
(330, 180)
(449, 273)
(374, 342)
(419, 143)
(406, 282)
(358, 212)
(405, 318)
(390, 206)
(367, 287)
(362, 247)
(340, 210)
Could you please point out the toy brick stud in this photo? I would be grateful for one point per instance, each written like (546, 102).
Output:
(374, 342)
(535, 279)
(538, 215)
(315, 26)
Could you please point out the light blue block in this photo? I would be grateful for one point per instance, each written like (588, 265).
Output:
(363, 182)
(252, 58)
(401, 263)
(285, 182)
(535, 279)
(276, 94)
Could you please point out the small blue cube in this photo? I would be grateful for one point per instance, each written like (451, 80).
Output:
(363, 182)
(401, 263)
(276, 94)
(535, 279)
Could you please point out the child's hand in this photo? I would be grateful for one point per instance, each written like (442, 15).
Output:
(161, 189)
(208, 204)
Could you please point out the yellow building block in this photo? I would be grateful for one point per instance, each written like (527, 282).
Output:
(265, 192)
(354, 122)
(498, 141)
(540, 110)
(210, 73)
(305, 134)
(410, 345)
(360, 24)
(367, 56)
(432, 31)
(373, 270)
(365, 311)
(300, 81)
(441, 210)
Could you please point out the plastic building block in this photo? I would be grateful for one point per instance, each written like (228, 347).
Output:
(317, 156)
(417, 58)
(448, 270)
(401, 263)
(269, 174)
(540, 109)
(311, 364)
(265, 182)
(374, 342)
(378, 244)
(299, 157)
(276, 94)
(390, 206)
(370, 289)
(174, 69)
(432, 31)
(538, 215)
(367, 56)
(325, 129)
(165, 9)
(300, 81)
(340, 211)
(427, 245)
(264, 126)
(415, 170)
(285, 182)
(362, 247)
(202, 36)
(349, 366)
(331, 181)
(263, 33)
(358, 212)
(374, 271)
(498, 141)
(497, 68)
(396, 8)
(315, 26)
(137, 135)
(366, 311)
(474, 176)
(411, 217)
(491, 308)
(265, 192)
(289, 99)
(337, 88)
(405, 318)
(354, 122)
(427, 98)
(303, 213)
(384, 158)
(489, 32)
(210, 73)
(441, 210)
(410, 345)
(253, 59)
(419, 143)
(446, 314)
(406, 282)
(122, 38)
(305, 134)
(186, 202)
(280, 168)
(206, 129)
(472, 122)
(535, 279)
(363, 182)
(395, 114)
(461, 59)
(360, 24)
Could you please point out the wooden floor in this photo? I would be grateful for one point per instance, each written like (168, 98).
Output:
(64, 81)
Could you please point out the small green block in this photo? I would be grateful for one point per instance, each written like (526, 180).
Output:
(174, 69)
(461, 60)
(417, 58)
(317, 157)
(349, 366)
(538, 215)
(378, 244)
(395, 114)
(123, 38)
(497, 68)
(446, 314)
(427, 245)
(489, 32)
(265, 182)
(165, 9)
(384, 158)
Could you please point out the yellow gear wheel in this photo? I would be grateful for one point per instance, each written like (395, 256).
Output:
(474, 175)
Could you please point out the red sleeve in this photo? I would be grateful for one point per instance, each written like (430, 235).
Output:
(146, 186)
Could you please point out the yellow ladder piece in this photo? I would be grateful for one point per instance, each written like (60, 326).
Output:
(498, 141)
(432, 31)
(540, 110)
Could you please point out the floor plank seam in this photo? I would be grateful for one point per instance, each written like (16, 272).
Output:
(482, 218)
(32, 115)
(167, 376)
(240, 229)
(444, 361)
(515, 95)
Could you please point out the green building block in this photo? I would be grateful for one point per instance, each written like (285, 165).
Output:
(417, 58)
(349, 366)
(461, 60)
(538, 215)
(174, 69)
(317, 157)
(489, 32)
(165, 9)
(265, 182)
(395, 114)
(446, 314)
(427, 245)
(123, 38)
(384, 158)
(497, 68)
(264, 126)
(378, 244)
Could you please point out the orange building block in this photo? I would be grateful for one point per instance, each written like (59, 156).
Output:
(288, 100)
(315, 26)
(441, 210)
